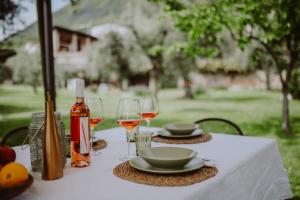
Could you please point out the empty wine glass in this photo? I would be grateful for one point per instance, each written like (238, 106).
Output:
(128, 117)
(96, 117)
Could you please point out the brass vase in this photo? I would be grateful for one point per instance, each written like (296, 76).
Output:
(52, 167)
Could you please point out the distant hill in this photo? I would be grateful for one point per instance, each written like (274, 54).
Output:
(86, 14)
(144, 19)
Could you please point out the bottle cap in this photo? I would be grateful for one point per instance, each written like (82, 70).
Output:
(79, 88)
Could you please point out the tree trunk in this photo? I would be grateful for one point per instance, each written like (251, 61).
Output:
(285, 110)
(268, 78)
(154, 73)
(279, 62)
(65, 83)
(34, 87)
(188, 89)
(124, 84)
(153, 82)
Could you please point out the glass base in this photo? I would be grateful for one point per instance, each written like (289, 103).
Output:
(126, 157)
(95, 153)
(92, 151)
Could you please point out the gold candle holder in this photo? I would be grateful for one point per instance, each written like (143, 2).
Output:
(51, 162)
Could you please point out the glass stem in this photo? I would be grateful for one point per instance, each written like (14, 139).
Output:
(148, 124)
(128, 134)
(92, 138)
(128, 152)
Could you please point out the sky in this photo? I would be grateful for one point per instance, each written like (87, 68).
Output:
(29, 16)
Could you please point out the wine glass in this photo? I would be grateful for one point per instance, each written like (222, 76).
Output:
(96, 117)
(149, 109)
(128, 117)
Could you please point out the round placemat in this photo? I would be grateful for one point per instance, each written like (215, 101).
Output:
(99, 144)
(125, 171)
(192, 140)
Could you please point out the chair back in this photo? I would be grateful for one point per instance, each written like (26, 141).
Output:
(15, 137)
(219, 125)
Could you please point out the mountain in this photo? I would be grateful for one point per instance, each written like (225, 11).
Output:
(142, 16)
(87, 14)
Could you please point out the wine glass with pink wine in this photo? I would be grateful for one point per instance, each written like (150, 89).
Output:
(128, 116)
(96, 117)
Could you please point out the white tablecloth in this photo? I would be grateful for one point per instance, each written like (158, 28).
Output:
(250, 168)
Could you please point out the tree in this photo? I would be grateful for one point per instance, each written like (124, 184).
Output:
(26, 68)
(295, 84)
(74, 2)
(275, 25)
(155, 40)
(150, 37)
(176, 61)
(8, 11)
(10, 14)
(266, 63)
(5, 72)
(116, 52)
(155, 54)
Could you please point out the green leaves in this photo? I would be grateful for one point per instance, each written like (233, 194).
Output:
(201, 23)
(155, 50)
(26, 67)
(116, 53)
(274, 25)
(267, 22)
(171, 4)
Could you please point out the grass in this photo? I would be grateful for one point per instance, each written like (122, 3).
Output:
(257, 112)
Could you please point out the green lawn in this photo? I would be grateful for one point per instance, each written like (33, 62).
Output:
(257, 112)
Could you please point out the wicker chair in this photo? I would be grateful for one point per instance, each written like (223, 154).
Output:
(219, 125)
(15, 137)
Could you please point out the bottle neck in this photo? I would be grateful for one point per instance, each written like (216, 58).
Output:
(79, 100)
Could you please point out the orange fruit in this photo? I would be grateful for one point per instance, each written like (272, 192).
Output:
(13, 174)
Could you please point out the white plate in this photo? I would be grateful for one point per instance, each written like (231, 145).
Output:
(166, 133)
(140, 164)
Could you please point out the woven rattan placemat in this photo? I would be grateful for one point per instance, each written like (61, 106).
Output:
(193, 140)
(125, 171)
(99, 144)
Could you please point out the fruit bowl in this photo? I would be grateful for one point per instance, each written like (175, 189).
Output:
(11, 192)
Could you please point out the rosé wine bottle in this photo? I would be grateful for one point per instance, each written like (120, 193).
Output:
(80, 130)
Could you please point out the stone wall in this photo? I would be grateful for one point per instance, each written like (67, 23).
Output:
(256, 80)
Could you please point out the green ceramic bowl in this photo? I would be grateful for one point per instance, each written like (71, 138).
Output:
(168, 157)
(181, 129)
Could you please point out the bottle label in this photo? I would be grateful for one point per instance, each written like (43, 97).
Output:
(84, 135)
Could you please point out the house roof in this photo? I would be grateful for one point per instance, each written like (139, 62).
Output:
(6, 53)
(60, 28)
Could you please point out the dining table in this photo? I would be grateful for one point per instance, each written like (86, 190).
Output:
(249, 168)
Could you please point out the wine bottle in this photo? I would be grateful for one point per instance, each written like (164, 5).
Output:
(80, 131)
